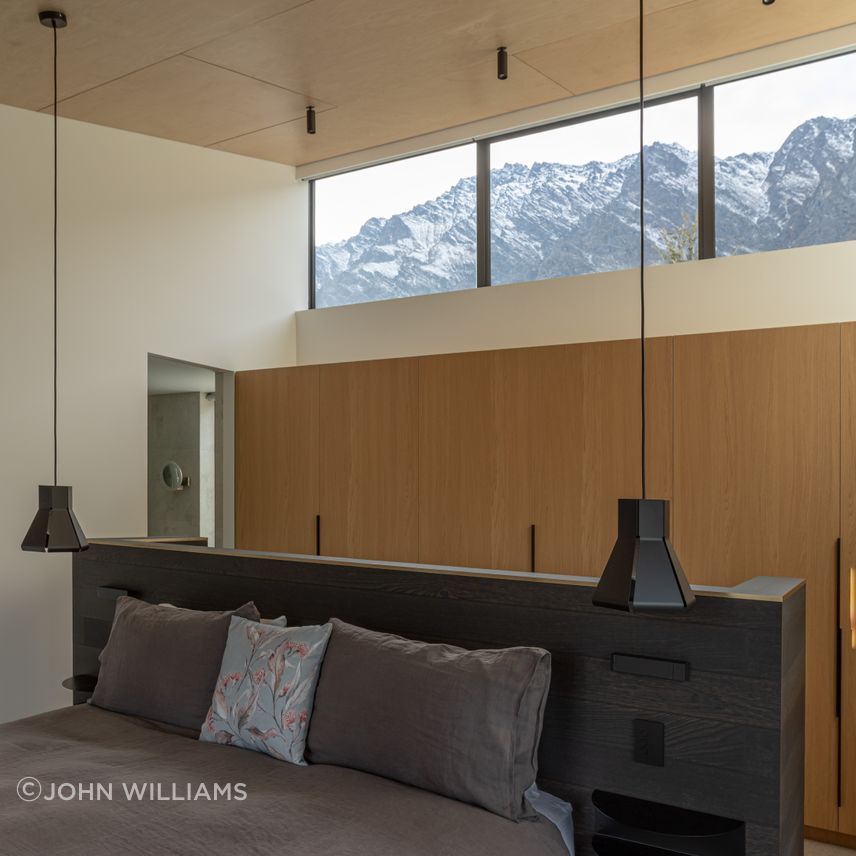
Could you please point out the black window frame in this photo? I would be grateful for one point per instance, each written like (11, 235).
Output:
(704, 93)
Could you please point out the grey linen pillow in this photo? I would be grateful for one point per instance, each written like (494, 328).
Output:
(162, 663)
(464, 724)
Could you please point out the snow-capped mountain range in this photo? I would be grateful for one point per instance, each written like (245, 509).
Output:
(553, 219)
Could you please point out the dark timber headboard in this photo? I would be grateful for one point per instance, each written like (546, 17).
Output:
(733, 726)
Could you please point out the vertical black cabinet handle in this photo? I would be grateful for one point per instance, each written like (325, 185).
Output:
(317, 534)
(532, 548)
(838, 637)
(838, 664)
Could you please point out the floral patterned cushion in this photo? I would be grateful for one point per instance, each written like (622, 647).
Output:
(264, 695)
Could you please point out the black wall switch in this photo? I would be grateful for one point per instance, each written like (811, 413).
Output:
(649, 742)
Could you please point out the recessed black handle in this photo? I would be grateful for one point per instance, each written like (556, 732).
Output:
(532, 548)
(651, 667)
(317, 534)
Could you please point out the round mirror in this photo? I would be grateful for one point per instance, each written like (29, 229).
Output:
(172, 476)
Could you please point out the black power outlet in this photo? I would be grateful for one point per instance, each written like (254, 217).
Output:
(649, 742)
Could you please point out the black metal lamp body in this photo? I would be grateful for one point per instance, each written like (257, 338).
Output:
(643, 572)
(54, 528)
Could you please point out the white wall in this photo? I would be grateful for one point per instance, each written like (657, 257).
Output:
(164, 248)
(811, 285)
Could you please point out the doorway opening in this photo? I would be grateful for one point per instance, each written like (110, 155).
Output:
(190, 470)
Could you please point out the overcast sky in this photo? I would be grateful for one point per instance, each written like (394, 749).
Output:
(756, 114)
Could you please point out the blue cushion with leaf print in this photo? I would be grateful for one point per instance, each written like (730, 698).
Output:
(264, 695)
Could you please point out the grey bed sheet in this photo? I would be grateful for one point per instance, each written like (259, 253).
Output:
(324, 810)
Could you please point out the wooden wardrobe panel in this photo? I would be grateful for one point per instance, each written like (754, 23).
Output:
(756, 478)
(474, 498)
(276, 459)
(585, 423)
(660, 418)
(847, 812)
(511, 506)
(369, 460)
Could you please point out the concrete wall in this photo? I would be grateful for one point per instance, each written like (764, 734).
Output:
(810, 285)
(207, 469)
(164, 248)
(175, 434)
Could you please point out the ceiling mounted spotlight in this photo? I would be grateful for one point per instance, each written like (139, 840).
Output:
(310, 120)
(502, 63)
(768, 2)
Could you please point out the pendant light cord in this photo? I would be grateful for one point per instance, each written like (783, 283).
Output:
(55, 254)
(642, 226)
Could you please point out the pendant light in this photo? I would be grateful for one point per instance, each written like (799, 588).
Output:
(643, 572)
(54, 528)
(310, 120)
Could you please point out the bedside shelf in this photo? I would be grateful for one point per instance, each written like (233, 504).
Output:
(81, 683)
(626, 826)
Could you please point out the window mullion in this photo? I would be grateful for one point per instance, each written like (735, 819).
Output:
(312, 243)
(483, 212)
(706, 175)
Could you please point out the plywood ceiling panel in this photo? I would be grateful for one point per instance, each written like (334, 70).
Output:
(187, 100)
(237, 74)
(345, 49)
(688, 34)
(458, 98)
(108, 38)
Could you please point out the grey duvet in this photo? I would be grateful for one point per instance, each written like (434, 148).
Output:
(330, 811)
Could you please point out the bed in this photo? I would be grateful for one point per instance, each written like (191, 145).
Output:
(726, 675)
(287, 809)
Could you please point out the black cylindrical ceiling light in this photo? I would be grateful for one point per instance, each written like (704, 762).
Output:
(643, 572)
(54, 528)
(502, 63)
(310, 120)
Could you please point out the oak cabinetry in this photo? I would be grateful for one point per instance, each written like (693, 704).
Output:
(450, 460)
(757, 472)
(584, 411)
(276, 459)
(505, 433)
(847, 583)
(474, 491)
(368, 460)
(847, 809)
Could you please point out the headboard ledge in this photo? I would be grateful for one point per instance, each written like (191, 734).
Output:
(756, 588)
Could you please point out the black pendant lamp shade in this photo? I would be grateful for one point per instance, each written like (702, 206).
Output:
(643, 572)
(54, 528)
